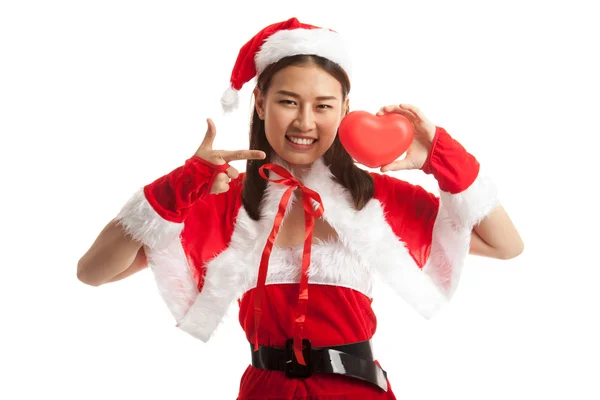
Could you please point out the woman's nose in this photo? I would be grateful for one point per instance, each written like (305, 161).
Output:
(305, 120)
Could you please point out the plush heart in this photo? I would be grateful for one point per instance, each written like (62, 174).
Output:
(375, 140)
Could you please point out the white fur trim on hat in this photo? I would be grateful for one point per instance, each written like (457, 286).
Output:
(320, 42)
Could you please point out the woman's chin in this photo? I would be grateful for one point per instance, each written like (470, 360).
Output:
(298, 159)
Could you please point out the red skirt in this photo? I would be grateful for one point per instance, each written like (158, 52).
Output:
(260, 384)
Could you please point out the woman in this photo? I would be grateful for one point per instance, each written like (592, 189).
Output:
(298, 237)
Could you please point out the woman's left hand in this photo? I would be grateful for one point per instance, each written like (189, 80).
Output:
(424, 131)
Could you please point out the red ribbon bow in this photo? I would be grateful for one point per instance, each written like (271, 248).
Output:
(309, 215)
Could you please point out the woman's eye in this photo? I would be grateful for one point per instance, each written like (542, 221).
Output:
(325, 106)
(290, 102)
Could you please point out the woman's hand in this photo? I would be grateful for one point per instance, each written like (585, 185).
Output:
(220, 157)
(424, 131)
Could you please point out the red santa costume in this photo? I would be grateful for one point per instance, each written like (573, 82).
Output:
(206, 252)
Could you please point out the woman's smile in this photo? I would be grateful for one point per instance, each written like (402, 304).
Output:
(300, 143)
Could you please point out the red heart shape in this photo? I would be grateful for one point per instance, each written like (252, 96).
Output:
(375, 140)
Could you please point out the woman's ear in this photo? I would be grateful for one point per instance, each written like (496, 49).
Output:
(346, 106)
(259, 103)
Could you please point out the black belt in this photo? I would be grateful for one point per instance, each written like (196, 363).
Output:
(354, 360)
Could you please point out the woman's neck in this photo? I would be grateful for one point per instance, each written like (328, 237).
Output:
(298, 171)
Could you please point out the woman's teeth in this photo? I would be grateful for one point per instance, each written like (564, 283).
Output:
(305, 142)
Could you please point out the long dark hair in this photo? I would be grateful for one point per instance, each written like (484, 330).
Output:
(358, 182)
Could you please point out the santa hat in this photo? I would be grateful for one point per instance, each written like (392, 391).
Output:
(280, 40)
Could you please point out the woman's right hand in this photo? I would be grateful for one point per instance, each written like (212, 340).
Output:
(220, 157)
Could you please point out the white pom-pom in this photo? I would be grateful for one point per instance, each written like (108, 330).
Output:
(230, 100)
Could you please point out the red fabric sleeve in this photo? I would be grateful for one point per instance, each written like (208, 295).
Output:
(450, 164)
(173, 194)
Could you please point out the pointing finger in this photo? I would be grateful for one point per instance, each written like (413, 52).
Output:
(209, 137)
(243, 155)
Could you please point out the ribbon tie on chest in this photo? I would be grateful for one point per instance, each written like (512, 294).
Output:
(310, 213)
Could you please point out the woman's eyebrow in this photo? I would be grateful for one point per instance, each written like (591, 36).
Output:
(297, 96)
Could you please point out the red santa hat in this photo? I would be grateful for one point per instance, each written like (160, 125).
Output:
(280, 40)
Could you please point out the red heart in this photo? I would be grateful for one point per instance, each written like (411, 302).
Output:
(375, 140)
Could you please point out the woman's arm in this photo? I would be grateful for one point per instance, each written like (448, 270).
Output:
(118, 253)
(496, 237)
(139, 263)
(114, 255)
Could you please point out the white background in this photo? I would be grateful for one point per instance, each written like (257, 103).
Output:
(100, 98)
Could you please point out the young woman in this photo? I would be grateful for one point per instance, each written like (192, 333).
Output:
(298, 238)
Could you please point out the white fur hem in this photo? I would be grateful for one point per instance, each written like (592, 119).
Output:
(165, 254)
(144, 224)
(470, 206)
(451, 240)
(174, 279)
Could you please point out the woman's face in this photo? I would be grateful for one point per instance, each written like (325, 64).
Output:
(302, 111)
